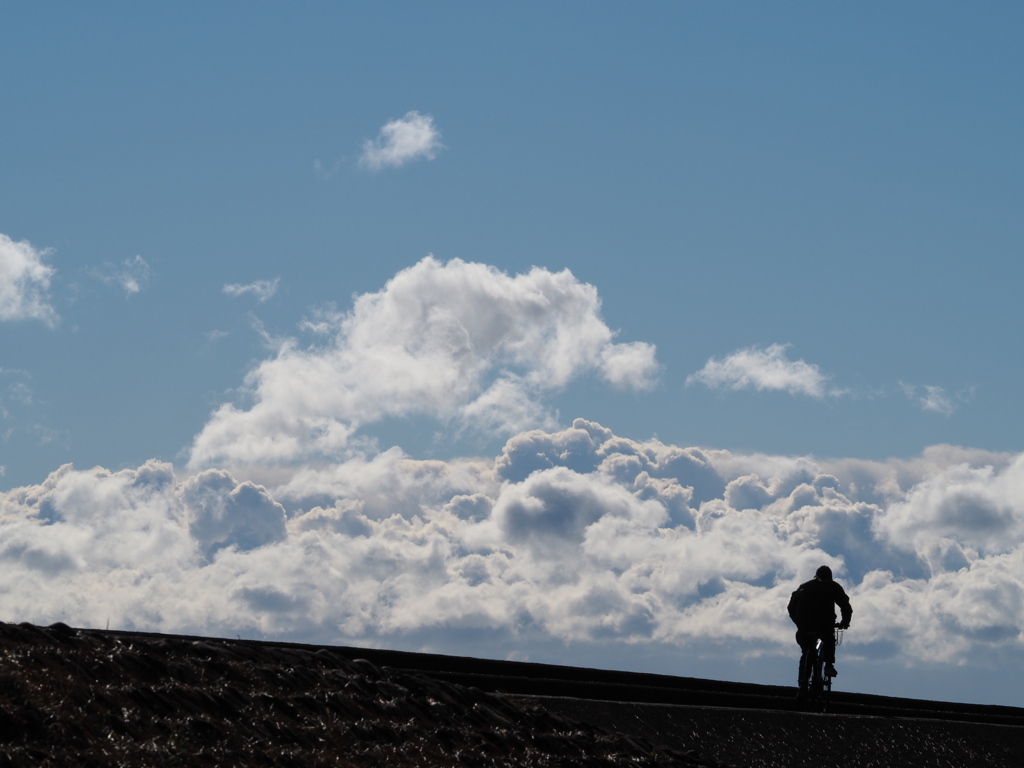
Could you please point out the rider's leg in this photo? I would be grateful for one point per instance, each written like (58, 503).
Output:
(807, 641)
(828, 641)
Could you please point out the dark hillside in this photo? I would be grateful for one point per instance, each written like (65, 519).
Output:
(91, 698)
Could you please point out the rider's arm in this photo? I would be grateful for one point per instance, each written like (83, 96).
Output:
(794, 601)
(844, 607)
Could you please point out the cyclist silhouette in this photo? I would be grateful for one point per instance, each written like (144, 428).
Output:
(812, 609)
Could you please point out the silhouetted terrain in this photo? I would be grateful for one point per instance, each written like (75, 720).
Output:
(91, 698)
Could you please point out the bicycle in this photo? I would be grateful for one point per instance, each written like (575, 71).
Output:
(819, 682)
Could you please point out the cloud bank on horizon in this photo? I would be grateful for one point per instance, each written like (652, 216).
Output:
(286, 524)
(574, 535)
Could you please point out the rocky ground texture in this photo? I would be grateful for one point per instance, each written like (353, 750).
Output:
(88, 698)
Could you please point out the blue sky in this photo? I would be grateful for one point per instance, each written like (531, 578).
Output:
(316, 268)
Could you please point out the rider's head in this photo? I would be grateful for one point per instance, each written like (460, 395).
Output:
(823, 574)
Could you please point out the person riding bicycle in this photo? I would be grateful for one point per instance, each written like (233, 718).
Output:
(812, 609)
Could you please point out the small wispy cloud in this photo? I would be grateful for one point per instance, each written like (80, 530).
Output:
(401, 141)
(763, 369)
(324, 172)
(936, 399)
(260, 289)
(131, 275)
(15, 391)
(770, 369)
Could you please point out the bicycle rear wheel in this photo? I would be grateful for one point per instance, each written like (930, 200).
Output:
(819, 685)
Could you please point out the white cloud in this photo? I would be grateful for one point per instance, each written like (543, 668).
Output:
(762, 369)
(629, 366)
(131, 275)
(25, 283)
(400, 141)
(261, 290)
(460, 342)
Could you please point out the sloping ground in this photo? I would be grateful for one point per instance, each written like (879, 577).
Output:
(770, 739)
(85, 698)
(88, 698)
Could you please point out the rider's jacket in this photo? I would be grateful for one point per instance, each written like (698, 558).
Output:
(812, 605)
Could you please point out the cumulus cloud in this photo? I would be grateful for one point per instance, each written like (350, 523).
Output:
(978, 508)
(572, 536)
(460, 342)
(261, 290)
(131, 275)
(762, 369)
(25, 283)
(223, 513)
(401, 141)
